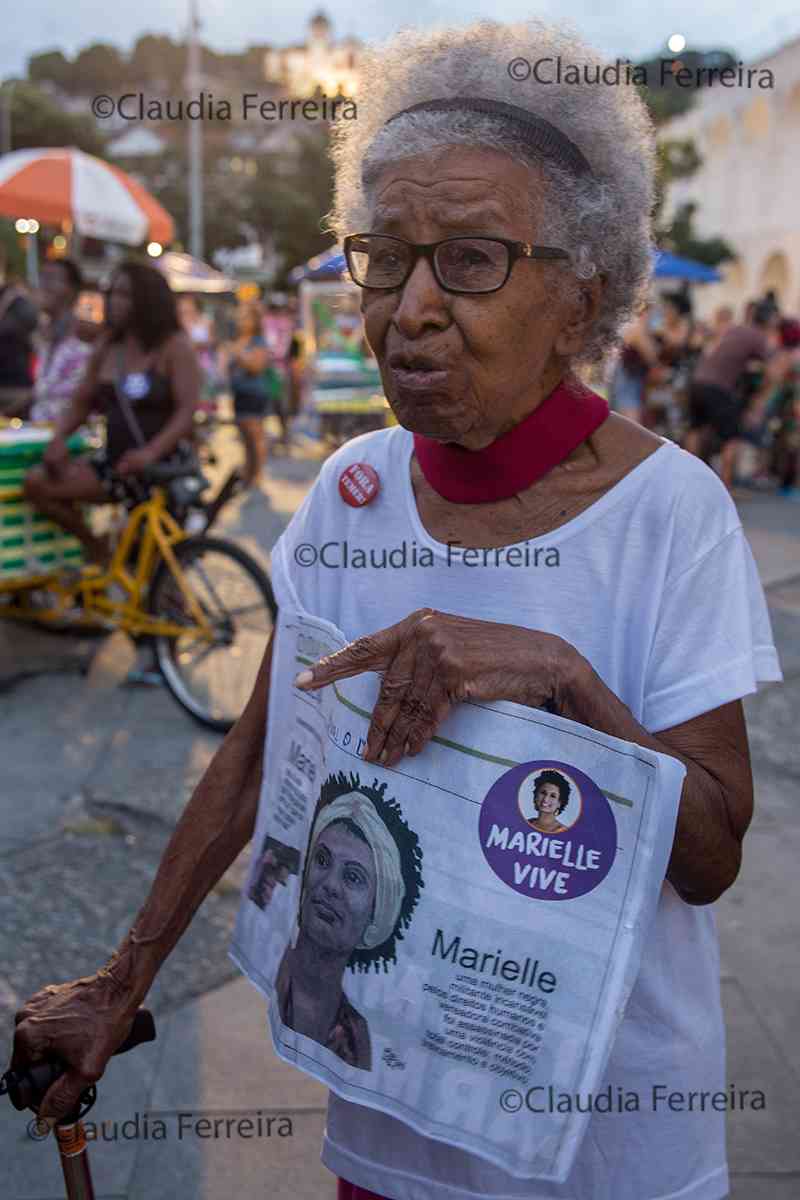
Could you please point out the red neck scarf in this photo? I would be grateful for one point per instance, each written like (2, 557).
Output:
(548, 435)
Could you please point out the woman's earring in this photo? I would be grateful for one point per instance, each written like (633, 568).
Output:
(368, 937)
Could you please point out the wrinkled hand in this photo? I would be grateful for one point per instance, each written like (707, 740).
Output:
(432, 661)
(133, 462)
(80, 1023)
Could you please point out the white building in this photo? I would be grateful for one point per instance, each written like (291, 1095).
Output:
(317, 63)
(748, 187)
(139, 142)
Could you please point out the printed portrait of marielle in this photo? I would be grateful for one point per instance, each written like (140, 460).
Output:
(551, 795)
(361, 883)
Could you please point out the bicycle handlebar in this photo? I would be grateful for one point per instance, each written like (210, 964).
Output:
(166, 472)
(26, 1089)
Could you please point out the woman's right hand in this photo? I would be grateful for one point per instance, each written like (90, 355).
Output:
(56, 456)
(82, 1024)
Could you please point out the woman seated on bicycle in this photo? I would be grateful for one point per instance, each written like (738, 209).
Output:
(144, 377)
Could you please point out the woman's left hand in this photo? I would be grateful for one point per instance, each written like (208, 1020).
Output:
(133, 462)
(431, 661)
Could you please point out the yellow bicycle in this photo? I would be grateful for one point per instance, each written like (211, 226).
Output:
(206, 605)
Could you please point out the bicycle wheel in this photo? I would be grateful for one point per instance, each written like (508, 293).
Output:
(214, 680)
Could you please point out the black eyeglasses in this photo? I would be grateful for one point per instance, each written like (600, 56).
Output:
(475, 265)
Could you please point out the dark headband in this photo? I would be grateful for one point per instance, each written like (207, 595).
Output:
(539, 134)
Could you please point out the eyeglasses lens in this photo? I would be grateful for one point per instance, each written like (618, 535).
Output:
(379, 262)
(464, 264)
(472, 264)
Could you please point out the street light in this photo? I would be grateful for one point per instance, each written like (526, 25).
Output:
(154, 249)
(192, 83)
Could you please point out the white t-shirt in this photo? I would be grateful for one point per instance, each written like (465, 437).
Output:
(656, 586)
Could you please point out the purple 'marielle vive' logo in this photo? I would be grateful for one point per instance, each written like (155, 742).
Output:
(548, 831)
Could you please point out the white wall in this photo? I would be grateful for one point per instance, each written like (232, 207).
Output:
(748, 188)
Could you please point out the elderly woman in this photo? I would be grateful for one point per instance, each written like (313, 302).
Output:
(351, 899)
(500, 233)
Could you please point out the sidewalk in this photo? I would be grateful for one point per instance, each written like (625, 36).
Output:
(213, 1055)
(218, 1115)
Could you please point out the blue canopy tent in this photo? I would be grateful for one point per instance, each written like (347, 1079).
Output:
(671, 266)
(329, 265)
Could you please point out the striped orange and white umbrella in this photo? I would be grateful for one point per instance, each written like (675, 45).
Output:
(101, 201)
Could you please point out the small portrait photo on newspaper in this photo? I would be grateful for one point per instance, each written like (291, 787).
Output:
(274, 865)
(549, 800)
(361, 882)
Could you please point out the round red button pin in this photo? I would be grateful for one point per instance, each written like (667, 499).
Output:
(359, 484)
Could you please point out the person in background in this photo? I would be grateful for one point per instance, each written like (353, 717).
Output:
(721, 322)
(247, 359)
(639, 352)
(64, 356)
(771, 421)
(143, 375)
(18, 320)
(278, 328)
(677, 348)
(787, 435)
(714, 406)
(200, 329)
(194, 321)
(676, 334)
(295, 360)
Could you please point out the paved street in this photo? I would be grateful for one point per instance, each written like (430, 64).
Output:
(92, 784)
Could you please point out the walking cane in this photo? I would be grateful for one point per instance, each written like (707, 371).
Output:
(26, 1089)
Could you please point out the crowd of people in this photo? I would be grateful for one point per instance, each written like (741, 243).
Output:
(717, 386)
(714, 386)
(155, 362)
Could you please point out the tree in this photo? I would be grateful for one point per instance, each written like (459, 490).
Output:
(290, 205)
(158, 58)
(678, 158)
(37, 121)
(283, 202)
(668, 99)
(679, 237)
(51, 67)
(99, 68)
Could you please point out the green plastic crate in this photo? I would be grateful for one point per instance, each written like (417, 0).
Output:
(29, 543)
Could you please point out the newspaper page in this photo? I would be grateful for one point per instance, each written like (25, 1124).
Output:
(451, 941)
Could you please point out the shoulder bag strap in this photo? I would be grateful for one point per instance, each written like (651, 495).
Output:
(134, 428)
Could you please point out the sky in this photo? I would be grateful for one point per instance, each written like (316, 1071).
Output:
(630, 30)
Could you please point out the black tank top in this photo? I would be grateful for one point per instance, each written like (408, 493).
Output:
(152, 410)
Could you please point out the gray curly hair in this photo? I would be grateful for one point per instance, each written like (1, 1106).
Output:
(602, 219)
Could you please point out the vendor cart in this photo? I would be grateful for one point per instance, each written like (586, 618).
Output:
(31, 546)
(343, 395)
